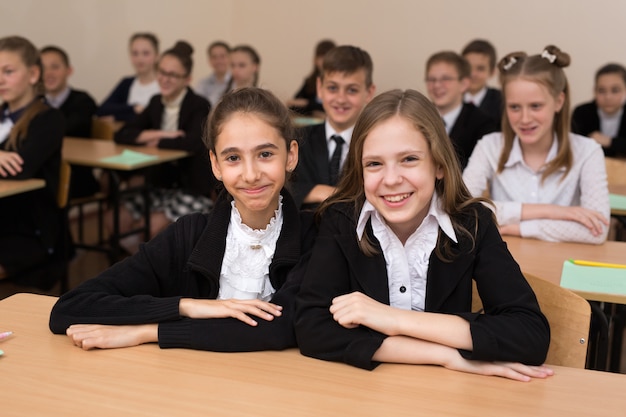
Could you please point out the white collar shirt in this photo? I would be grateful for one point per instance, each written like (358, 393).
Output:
(407, 265)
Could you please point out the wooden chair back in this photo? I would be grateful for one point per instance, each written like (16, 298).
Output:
(569, 316)
(63, 192)
(102, 129)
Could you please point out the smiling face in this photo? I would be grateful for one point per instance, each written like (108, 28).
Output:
(143, 56)
(481, 71)
(399, 174)
(243, 69)
(171, 77)
(445, 87)
(219, 60)
(16, 80)
(610, 93)
(343, 97)
(252, 160)
(530, 109)
(55, 72)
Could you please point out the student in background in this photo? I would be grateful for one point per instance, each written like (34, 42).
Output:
(213, 87)
(174, 119)
(345, 86)
(31, 135)
(218, 281)
(132, 94)
(545, 182)
(604, 119)
(245, 64)
(78, 109)
(447, 80)
(399, 244)
(481, 55)
(306, 101)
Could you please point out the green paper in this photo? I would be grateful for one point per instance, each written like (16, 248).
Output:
(593, 279)
(305, 121)
(128, 157)
(618, 202)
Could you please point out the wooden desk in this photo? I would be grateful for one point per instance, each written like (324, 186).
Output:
(545, 260)
(44, 375)
(90, 152)
(620, 190)
(12, 187)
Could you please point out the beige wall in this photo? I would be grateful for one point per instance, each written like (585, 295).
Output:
(399, 34)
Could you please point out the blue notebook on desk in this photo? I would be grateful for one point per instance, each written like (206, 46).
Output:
(593, 278)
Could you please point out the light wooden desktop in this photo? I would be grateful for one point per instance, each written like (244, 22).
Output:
(545, 260)
(619, 190)
(90, 152)
(12, 187)
(45, 375)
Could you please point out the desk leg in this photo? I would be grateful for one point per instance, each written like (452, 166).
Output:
(114, 239)
(618, 319)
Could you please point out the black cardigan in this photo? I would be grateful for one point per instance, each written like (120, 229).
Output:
(585, 120)
(185, 260)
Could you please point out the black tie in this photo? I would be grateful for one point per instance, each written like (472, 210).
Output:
(335, 160)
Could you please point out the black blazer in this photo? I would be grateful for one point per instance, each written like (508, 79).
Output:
(471, 125)
(586, 120)
(313, 162)
(492, 105)
(30, 229)
(192, 174)
(78, 110)
(512, 328)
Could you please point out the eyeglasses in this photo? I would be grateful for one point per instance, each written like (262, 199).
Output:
(442, 80)
(171, 75)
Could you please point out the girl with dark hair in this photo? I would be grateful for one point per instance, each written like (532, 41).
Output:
(218, 281)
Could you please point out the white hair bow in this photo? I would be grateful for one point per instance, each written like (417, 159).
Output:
(508, 65)
(547, 55)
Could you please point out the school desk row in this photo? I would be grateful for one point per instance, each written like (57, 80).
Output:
(45, 375)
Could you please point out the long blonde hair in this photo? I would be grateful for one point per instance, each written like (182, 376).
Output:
(30, 57)
(545, 69)
(422, 114)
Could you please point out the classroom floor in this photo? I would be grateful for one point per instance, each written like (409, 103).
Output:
(87, 264)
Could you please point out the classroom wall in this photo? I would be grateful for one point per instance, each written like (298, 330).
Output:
(399, 34)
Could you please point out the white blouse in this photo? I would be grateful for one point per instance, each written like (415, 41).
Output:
(247, 258)
(585, 185)
(140, 94)
(407, 265)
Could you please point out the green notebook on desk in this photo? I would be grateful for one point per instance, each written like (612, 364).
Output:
(128, 157)
(593, 278)
(618, 202)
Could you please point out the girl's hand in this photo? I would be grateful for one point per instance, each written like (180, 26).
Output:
(511, 370)
(90, 336)
(238, 309)
(354, 309)
(510, 230)
(10, 164)
(604, 140)
(591, 219)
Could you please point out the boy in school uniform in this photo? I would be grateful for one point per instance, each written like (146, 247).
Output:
(344, 86)
(447, 80)
(78, 109)
(481, 56)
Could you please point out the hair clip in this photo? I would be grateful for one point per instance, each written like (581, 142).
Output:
(547, 55)
(509, 65)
